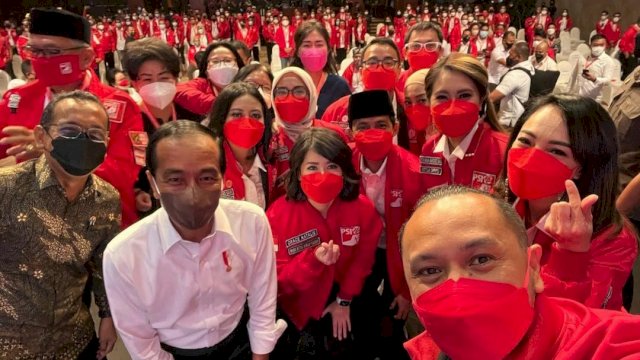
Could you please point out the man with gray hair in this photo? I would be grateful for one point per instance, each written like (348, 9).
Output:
(475, 284)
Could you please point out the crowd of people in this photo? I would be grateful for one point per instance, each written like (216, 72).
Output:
(421, 191)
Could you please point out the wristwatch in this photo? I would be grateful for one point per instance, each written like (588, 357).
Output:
(343, 302)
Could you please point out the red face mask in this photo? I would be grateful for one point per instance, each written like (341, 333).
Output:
(455, 118)
(244, 132)
(374, 144)
(292, 110)
(58, 70)
(123, 83)
(378, 79)
(419, 116)
(489, 319)
(422, 59)
(321, 187)
(535, 174)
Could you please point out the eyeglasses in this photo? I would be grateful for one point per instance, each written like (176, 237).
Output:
(227, 62)
(387, 63)
(70, 131)
(298, 92)
(265, 88)
(39, 52)
(429, 46)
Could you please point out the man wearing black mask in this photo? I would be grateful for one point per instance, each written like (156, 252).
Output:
(498, 60)
(57, 218)
(513, 89)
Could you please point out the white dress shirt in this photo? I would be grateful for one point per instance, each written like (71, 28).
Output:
(496, 70)
(547, 64)
(253, 189)
(515, 87)
(163, 289)
(374, 185)
(601, 67)
(459, 152)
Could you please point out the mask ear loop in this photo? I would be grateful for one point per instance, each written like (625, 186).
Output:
(528, 272)
(155, 185)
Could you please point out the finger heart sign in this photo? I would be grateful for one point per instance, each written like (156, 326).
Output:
(571, 223)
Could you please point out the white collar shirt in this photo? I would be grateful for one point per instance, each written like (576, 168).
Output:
(374, 186)
(442, 146)
(253, 189)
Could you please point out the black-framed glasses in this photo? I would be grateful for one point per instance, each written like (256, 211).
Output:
(387, 63)
(40, 52)
(217, 62)
(71, 131)
(298, 92)
(265, 88)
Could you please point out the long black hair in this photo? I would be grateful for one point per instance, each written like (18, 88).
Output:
(306, 28)
(204, 64)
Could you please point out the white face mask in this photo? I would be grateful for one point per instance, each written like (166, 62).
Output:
(465, 21)
(222, 75)
(285, 22)
(616, 19)
(158, 94)
(100, 27)
(551, 31)
(597, 51)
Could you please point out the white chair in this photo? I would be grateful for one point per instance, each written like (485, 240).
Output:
(4, 82)
(275, 59)
(584, 50)
(617, 71)
(16, 64)
(565, 43)
(378, 28)
(521, 34)
(513, 30)
(344, 65)
(591, 35)
(564, 67)
(575, 34)
(574, 57)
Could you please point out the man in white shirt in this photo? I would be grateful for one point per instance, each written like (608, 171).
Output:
(498, 60)
(513, 89)
(594, 72)
(196, 279)
(541, 60)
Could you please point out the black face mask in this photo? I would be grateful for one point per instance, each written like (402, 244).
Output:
(391, 32)
(465, 38)
(80, 156)
(507, 46)
(539, 57)
(511, 62)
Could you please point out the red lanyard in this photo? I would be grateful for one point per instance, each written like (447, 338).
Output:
(152, 118)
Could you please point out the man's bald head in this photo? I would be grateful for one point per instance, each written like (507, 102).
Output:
(543, 47)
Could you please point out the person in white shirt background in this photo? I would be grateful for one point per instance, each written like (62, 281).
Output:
(595, 71)
(513, 89)
(541, 59)
(197, 278)
(498, 61)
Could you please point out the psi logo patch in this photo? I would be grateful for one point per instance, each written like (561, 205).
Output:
(483, 181)
(350, 236)
(115, 109)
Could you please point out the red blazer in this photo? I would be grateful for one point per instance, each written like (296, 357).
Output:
(562, 330)
(20, 45)
(283, 44)
(280, 148)
(346, 38)
(348, 75)
(382, 31)
(169, 35)
(304, 283)
(613, 34)
(359, 31)
(480, 167)
(403, 189)
(224, 30)
(5, 50)
(603, 28)
(529, 27)
(252, 37)
(23, 106)
(568, 26)
(269, 33)
(502, 18)
(594, 278)
(453, 35)
(628, 41)
(547, 21)
(195, 95)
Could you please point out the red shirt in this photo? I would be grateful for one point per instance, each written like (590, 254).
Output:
(628, 41)
(562, 329)
(402, 189)
(480, 167)
(24, 105)
(195, 95)
(304, 283)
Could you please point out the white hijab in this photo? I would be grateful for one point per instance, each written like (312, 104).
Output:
(294, 130)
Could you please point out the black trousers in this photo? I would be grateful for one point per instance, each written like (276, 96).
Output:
(376, 332)
(109, 60)
(269, 52)
(256, 53)
(341, 54)
(89, 352)
(233, 347)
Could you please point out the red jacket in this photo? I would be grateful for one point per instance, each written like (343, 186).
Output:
(613, 33)
(480, 167)
(529, 27)
(169, 36)
(347, 74)
(233, 186)
(344, 35)
(453, 34)
(568, 25)
(546, 21)
(473, 49)
(280, 148)
(283, 42)
(628, 41)
(5, 50)
(20, 45)
(359, 31)
(269, 33)
(502, 18)
(304, 283)
(23, 106)
(594, 278)
(562, 330)
(403, 189)
(195, 95)
(603, 27)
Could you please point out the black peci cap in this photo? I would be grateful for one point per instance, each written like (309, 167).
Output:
(56, 22)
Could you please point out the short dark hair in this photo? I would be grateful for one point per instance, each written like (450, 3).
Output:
(179, 128)
(597, 37)
(26, 67)
(594, 143)
(382, 41)
(223, 103)
(111, 76)
(511, 217)
(46, 120)
(140, 51)
(250, 69)
(330, 145)
(424, 26)
(522, 49)
(204, 64)
(241, 47)
(508, 33)
(302, 32)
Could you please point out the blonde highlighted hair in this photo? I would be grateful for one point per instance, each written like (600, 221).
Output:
(474, 70)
